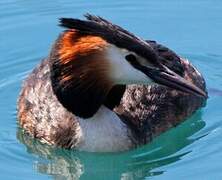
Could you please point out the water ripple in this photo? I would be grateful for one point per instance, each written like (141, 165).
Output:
(192, 28)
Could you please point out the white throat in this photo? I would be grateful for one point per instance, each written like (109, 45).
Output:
(104, 132)
(121, 71)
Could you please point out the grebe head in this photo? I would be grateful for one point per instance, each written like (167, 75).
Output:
(94, 55)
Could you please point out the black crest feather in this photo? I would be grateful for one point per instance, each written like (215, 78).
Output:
(95, 25)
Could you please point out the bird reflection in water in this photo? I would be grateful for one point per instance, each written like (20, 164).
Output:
(136, 164)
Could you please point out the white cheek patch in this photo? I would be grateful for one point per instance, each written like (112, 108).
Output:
(121, 71)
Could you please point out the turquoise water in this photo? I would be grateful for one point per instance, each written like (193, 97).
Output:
(191, 151)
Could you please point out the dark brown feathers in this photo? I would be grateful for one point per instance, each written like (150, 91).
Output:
(168, 57)
(112, 33)
(147, 110)
(79, 72)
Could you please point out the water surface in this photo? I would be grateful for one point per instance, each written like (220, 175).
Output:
(190, 151)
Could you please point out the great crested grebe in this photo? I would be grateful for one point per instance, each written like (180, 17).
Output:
(103, 89)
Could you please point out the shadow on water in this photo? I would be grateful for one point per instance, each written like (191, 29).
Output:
(135, 164)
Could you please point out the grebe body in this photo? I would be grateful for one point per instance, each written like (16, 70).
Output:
(102, 89)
